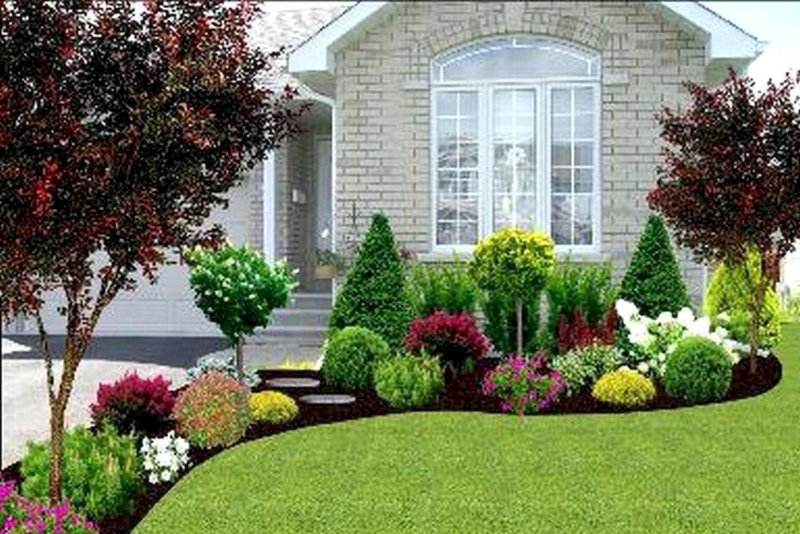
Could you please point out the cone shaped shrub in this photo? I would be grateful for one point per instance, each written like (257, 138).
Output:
(653, 280)
(374, 295)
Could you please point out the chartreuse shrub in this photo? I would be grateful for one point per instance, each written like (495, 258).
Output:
(374, 295)
(442, 287)
(409, 381)
(100, 474)
(237, 290)
(213, 411)
(584, 366)
(624, 387)
(727, 302)
(133, 403)
(653, 280)
(514, 263)
(272, 407)
(698, 370)
(20, 516)
(350, 357)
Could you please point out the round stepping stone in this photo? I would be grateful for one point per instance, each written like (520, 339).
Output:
(327, 399)
(293, 382)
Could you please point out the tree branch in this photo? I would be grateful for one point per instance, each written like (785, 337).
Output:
(44, 351)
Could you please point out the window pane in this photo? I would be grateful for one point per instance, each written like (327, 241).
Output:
(583, 220)
(468, 155)
(446, 103)
(562, 154)
(584, 99)
(447, 182)
(562, 128)
(560, 220)
(469, 182)
(561, 101)
(584, 126)
(584, 179)
(562, 180)
(584, 153)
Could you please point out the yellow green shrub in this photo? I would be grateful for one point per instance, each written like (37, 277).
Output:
(272, 407)
(624, 388)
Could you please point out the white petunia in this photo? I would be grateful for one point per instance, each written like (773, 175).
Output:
(166, 475)
(152, 478)
(643, 368)
(685, 317)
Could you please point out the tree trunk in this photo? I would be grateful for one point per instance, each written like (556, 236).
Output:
(239, 360)
(57, 410)
(519, 326)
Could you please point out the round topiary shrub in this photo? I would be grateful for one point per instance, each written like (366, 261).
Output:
(624, 388)
(350, 357)
(272, 407)
(213, 411)
(409, 381)
(698, 370)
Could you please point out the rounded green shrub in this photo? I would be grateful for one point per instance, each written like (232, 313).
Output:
(698, 370)
(100, 475)
(728, 294)
(350, 357)
(409, 381)
(624, 388)
(214, 411)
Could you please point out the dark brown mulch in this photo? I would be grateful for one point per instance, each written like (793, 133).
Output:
(463, 394)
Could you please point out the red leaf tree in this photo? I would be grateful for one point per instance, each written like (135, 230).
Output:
(730, 181)
(121, 127)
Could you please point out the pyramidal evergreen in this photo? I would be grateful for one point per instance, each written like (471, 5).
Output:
(374, 295)
(653, 280)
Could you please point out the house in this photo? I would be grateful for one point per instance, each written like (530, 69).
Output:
(456, 118)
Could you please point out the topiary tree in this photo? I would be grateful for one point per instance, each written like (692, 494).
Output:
(122, 125)
(728, 295)
(374, 295)
(653, 280)
(237, 290)
(515, 263)
(730, 182)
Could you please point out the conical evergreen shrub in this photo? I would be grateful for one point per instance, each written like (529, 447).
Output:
(374, 294)
(653, 280)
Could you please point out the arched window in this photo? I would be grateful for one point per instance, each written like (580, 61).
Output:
(515, 127)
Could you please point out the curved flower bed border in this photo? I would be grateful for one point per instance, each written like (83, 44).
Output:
(463, 395)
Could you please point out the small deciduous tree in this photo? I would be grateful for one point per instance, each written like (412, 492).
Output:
(120, 129)
(730, 181)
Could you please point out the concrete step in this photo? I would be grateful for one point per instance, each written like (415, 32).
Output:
(305, 334)
(311, 301)
(300, 317)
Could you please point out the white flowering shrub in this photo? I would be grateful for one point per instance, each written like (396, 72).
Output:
(221, 364)
(655, 339)
(164, 458)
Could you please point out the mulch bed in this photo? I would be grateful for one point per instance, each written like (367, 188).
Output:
(462, 395)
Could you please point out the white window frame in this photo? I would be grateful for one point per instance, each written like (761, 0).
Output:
(485, 92)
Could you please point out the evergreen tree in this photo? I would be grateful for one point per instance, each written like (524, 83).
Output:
(653, 280)
(374, 295)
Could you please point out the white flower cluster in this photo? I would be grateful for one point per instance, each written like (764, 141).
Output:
(163, 458)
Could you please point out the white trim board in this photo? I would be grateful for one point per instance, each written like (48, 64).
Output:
(726, 40)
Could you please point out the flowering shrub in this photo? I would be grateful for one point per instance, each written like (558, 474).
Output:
(653, 340)
(524, 385)
(213, 411)
(101, 472)
(624, 387)
(409, 381)
(272, 407)
(578, 333)
(133, 403)
(698, 371)
(582, 367)
(454, 338)
(224, 365)
(164, 458)
(21, 516)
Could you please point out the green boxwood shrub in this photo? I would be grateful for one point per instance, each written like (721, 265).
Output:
(653, 280)
(351, 355)
(698, 370)
(409, 381)
(374, 295)
(728, 294)
(100, 475)
(442, 287)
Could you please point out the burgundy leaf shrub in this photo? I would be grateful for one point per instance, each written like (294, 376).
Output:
(454, 338)
(524, 385)
(133, 403)
(577, 333)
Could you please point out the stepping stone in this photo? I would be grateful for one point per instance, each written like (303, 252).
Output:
(327, 399)
(292, 382)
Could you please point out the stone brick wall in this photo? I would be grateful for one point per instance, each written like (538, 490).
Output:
(383, 106)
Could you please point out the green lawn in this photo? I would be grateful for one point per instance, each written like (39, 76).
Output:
(726, 468)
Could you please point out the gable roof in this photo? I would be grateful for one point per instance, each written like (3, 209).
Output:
(725, 41)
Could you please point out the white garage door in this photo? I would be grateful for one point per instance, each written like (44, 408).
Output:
(166, 308)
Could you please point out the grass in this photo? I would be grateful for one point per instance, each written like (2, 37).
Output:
(726, 468)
